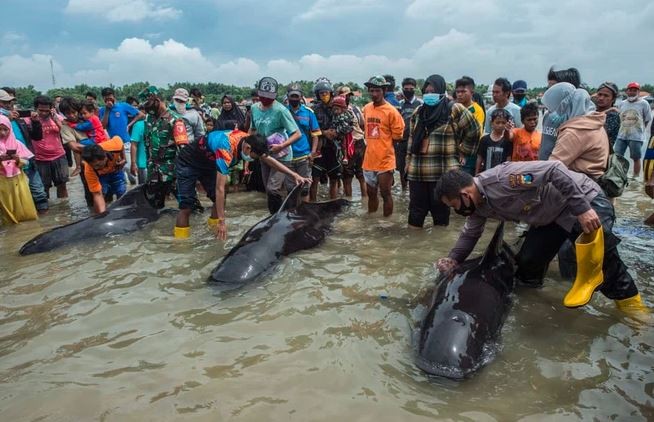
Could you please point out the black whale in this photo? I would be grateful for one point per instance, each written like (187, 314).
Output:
(467, 312)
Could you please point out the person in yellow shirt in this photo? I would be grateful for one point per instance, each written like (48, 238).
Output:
(383, 126)
(464, 89)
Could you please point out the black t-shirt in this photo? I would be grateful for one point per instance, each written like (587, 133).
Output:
(494, 153)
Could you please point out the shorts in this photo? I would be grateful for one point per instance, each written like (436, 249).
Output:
(273, 179)
(635, 148)
(372, 177)
(354, 166)
(53, 172)
(329, 164)
(302, 168)
(113, 184)
(187, 177)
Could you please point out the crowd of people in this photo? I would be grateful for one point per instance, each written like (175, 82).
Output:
(449, 150)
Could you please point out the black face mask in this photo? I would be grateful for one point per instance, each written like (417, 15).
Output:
(294, 103)
(151, 107)
(465, 210)
(408, 93)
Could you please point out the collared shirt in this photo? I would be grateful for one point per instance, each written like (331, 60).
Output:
(534, 192)
(306, 120)
(459, 135)
(407, 108)
(118, 119)
(160, 146)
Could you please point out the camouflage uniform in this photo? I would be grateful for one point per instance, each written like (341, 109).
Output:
(161, 150)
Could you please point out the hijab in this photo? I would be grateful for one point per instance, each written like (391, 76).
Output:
(565, 102)
(9, 168)
(228, 119)
(431, 117)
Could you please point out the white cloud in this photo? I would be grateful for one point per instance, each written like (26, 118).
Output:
(337, 9)
(123, 10)
(34, 70)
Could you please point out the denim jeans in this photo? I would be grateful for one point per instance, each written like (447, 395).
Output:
(39, 195)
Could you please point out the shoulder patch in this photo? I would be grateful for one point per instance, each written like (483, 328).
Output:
(522, 179)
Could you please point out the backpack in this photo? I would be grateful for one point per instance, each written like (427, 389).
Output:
(614, 179)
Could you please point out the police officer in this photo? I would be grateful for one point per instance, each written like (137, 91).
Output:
(559, 204)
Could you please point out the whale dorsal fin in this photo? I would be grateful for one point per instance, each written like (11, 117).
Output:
(495, 246)
(292, 199)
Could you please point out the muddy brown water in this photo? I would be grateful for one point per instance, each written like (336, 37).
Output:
(127, 329)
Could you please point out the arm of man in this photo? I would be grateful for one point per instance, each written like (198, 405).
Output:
(104, 115)
(470, 234)
(397, 126)
(468, 130)
(95, 187)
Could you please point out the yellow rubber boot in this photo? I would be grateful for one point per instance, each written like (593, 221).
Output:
(590, 257)
(213, 222)
(182, 232)
(632, 305)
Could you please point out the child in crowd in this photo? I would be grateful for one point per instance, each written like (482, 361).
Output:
(90, 124)
(16, 203)
(526, 140)
(496, 147)
(342, 122)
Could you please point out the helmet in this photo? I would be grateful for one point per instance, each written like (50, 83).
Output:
(323, 84)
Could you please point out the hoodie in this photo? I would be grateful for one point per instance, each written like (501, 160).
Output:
(582, 144)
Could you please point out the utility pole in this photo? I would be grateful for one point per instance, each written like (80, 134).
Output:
(54, 84)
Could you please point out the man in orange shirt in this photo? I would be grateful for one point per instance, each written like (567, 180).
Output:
(383, 126)
(103, 171)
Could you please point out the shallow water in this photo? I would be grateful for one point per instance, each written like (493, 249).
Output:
(127, 329)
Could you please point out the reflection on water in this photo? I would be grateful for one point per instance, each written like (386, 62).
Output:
(127, 329)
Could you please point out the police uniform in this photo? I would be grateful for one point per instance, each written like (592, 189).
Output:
(549, 197)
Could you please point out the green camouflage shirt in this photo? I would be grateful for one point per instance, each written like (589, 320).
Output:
(160, 147)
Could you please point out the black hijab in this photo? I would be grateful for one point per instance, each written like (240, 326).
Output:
(227, 119)
(430, 117)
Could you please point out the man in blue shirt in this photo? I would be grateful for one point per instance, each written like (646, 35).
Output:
(389, 95)
(115, 118)
(303, 150)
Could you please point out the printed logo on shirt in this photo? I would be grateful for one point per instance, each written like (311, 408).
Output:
(517, 180)
(373, 128)
(117, 114)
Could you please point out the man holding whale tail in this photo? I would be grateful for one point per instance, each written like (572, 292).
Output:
(558, 204)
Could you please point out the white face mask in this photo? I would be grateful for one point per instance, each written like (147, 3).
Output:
(180, 107)
(632, 98)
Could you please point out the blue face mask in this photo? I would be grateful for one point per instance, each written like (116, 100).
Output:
(432, 99)
(246, 157)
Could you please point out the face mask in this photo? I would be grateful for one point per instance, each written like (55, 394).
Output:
(4, 112)
(465, 210)
(632, 99)
(266, 101)
(246, 157)
(180, 107)
(408, 93)
(325, 98)
(431, 99)
(152, 107)
(294, 103)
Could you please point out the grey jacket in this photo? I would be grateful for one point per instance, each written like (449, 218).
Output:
(534, 192)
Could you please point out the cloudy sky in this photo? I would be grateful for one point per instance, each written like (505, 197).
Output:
(236, 42)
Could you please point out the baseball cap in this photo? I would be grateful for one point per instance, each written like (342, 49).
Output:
(377, 81)
(344, 90)
(180, 94)
(294, 89)
(633, 85)
(5, 96)
(339, 101)
(519, 86)
(267, 88)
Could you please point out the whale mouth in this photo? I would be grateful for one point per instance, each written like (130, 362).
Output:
(457, 373)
